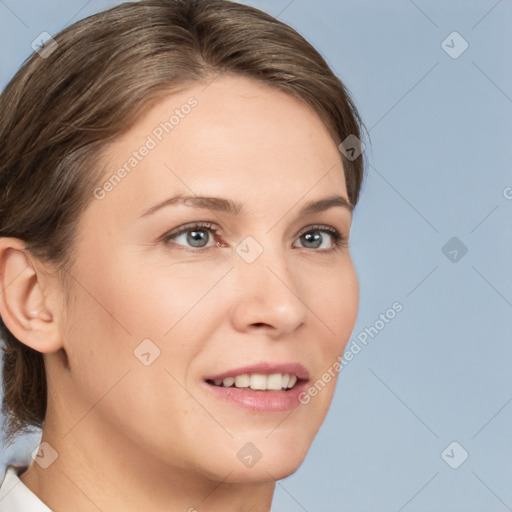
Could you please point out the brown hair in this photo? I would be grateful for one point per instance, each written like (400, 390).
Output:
(65, 105)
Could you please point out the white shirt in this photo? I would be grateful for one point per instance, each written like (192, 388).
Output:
(15, 496)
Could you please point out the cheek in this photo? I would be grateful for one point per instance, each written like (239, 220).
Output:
(337, 308)
(169, 301)
(142, 298)
(127, 305)
(348, 302)
(111, 313)
(337, 302)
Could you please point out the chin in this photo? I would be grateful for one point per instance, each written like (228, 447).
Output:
(253, 466)
(261, 472)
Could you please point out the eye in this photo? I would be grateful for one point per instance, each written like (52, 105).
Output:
(197, 235)
(313, 238)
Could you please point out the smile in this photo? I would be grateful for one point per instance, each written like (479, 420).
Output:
(263, 387)
(258, 381)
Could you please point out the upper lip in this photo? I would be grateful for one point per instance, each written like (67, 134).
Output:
(264, 368)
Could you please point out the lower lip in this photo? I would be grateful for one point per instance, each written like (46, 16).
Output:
(262, 401)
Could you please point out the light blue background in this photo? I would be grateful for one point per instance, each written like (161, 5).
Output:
(439, 162)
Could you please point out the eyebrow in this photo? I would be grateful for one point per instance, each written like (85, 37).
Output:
(231, 207)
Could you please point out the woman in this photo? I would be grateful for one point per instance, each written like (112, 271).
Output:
(177, 182)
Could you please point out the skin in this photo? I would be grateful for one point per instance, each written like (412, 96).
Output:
(133, 437)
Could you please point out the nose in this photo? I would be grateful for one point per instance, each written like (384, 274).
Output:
(269, 297)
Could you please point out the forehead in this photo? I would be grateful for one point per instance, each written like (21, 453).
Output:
(233, 137)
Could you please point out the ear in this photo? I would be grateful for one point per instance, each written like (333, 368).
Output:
(25, 291)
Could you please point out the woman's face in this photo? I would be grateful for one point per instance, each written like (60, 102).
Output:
(155, 314)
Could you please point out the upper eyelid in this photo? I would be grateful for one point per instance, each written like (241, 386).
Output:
(319, 227)
(229, 231)
(191, 225)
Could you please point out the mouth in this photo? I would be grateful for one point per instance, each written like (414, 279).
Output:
(263, 387)
(258, 381)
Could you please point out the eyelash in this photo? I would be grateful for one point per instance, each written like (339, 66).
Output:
(339, 239)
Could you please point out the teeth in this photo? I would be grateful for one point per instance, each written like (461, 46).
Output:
(275, 381)
(242, 381)
(228, 381)
(258, 381)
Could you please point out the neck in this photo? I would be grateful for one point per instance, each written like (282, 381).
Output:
(97, 469)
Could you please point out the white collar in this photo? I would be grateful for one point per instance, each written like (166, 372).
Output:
(15, 496)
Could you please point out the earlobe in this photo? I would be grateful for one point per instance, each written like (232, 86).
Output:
(24, 306)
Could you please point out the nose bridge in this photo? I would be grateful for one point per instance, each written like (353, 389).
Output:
(265, 258)
(270, 291)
